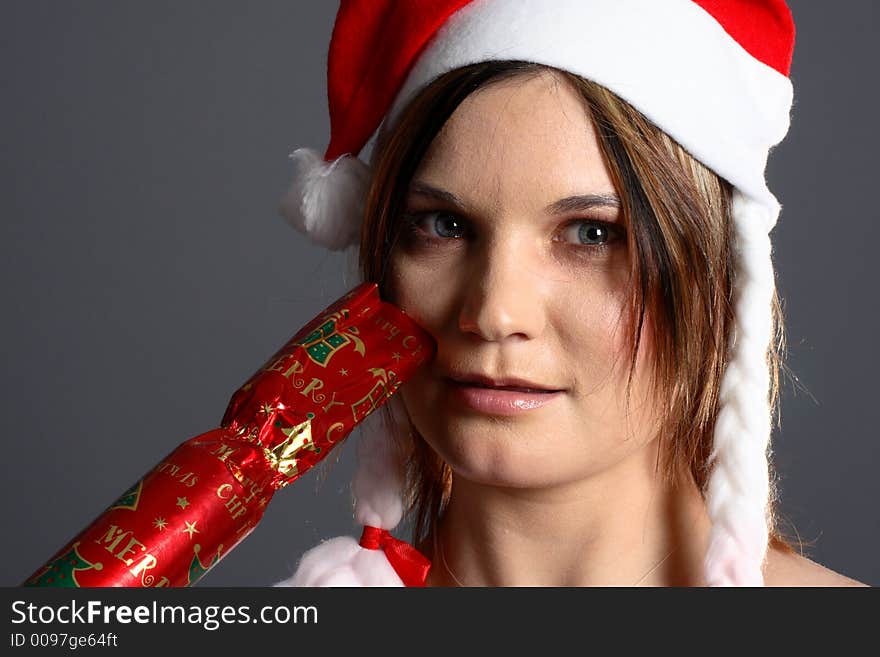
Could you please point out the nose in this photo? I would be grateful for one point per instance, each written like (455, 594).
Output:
(504, 298)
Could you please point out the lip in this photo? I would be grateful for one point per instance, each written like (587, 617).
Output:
(505, 382)
(514, 397)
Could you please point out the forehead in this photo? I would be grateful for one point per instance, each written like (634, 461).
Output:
(524, 140)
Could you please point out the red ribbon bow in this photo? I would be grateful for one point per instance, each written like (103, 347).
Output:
(410, 565)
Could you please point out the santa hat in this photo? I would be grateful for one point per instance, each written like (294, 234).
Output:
(713, 74)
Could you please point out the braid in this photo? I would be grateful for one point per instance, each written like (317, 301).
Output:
(738, 489)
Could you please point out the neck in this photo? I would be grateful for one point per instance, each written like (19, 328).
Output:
(622, 527)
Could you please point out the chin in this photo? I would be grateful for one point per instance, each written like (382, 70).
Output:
(543, 451)
(501, 458)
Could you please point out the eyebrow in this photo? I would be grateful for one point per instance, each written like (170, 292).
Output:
(576, 203)
(583, 202)
(424, 189)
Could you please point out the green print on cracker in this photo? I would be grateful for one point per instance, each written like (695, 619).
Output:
(325, 341)
(196, 569)
(129, 499)
(61, 572)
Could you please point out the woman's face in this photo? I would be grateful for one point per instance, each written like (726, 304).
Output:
(514, 257)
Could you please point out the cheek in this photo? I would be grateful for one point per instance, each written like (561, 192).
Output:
(423, 288)
(595, 339)
(634, 402)
(592, 329)
(422, 292)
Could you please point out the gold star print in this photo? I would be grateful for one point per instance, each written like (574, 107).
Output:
(159, 523)
(267, 409)
(396, 356)
(190, 528)
(343, 372)
(182, 502)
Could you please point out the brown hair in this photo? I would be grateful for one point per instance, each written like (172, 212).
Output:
(678, 216)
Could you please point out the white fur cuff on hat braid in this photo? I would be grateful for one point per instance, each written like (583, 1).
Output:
(378, 482)
(739, 486)
(325, 200)
(377, 489)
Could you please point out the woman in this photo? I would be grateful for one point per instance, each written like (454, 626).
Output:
(574, 206)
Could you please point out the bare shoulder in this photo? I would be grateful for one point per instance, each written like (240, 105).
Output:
(792, 569)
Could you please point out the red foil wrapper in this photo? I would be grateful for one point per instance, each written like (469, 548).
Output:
(207, 495)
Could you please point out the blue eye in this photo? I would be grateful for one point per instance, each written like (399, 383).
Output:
(448, 226)
(442, 225)
(588, 233)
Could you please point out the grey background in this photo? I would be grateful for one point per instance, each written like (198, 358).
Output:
(146, 273)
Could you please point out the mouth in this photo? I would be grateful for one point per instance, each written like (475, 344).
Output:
(500, 397)
(508, 384)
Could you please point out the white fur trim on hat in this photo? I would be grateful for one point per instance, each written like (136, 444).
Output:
(671, 60)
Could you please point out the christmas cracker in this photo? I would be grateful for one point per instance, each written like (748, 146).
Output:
(208, 494)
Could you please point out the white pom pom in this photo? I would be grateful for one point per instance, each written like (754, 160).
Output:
(342, 562)
(325, 200)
